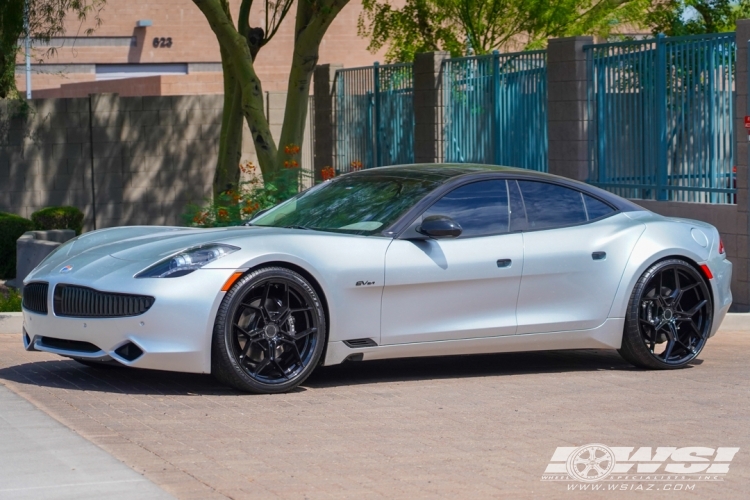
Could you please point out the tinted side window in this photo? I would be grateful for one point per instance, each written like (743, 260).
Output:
(550, 205)
(481, 208)
(596, 208)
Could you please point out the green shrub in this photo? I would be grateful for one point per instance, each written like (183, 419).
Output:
(234, 206)
(10, 300)
(58, 218)
(11, 228)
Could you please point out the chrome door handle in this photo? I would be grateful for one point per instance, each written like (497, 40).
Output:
(504, 263)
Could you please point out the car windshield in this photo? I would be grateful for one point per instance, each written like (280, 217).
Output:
(356, 204)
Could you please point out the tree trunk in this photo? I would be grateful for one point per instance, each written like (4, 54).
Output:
(293, 129)
(227, 174)
(11, 30)
(311, 25)
(313, 19)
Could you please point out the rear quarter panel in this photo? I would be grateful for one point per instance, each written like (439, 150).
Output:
(664, 238)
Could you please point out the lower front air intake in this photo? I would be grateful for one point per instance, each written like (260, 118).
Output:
(129, 351)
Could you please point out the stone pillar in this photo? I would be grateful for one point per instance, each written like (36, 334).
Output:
(740, 278)
(428, 107)
(567, 119)
(324, 93)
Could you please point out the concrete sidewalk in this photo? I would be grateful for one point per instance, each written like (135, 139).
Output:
(41, 458)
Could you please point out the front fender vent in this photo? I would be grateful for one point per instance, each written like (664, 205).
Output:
(82, 302)
(35, 297)
(361, 343)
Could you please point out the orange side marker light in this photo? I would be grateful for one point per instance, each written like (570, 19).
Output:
(707, 272)
(234, 277)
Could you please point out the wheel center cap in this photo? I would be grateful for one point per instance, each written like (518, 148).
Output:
(271, 330)
(668, 314)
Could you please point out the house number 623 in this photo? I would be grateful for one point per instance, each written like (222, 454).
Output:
(161, 43)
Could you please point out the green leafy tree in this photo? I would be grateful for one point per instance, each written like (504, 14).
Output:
(243, 97)
(486, 25)
(45, 20)
(694, 17)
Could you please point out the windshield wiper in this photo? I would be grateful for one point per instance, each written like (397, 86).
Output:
(299, 227)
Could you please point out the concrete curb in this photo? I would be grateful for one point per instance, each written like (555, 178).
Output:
(11, 323)
(736, 322)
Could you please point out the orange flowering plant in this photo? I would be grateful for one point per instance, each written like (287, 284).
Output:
(234, 206)
(327, 173)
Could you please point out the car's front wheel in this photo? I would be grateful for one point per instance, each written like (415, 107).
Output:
(669, 317)
(269, 333)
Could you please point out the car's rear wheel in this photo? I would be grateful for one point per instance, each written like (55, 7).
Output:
(669, 317)
(269, 333)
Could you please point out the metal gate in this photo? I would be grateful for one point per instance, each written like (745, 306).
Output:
(374, 116)
(660, 115)
(495, 109)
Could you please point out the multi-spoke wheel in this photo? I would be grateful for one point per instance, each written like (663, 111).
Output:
(269, 332)
(669, 316)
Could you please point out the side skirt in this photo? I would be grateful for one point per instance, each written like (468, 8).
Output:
(606, 336)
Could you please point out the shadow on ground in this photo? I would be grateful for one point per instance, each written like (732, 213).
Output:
(70, 375)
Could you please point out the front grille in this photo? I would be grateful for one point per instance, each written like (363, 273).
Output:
(83, 302)
(35, 297)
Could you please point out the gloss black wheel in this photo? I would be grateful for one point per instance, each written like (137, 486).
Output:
(269, 332)
(669, 317)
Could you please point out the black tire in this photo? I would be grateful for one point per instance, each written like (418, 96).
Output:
(669, 317)
(269, 333)
(99, 365)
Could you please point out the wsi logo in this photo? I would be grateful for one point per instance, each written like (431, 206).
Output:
(597, 462)
(364, 283)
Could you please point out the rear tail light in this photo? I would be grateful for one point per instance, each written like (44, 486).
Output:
(721, 246)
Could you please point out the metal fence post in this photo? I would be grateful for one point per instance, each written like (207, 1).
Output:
(376, 90)
(712, 160)
(661, 118)
(496, 139)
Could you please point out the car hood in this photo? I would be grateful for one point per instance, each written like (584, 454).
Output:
(145, 244)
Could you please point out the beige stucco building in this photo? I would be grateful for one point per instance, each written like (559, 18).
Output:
(166, 47)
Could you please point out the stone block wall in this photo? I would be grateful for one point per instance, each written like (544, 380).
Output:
(130, 160)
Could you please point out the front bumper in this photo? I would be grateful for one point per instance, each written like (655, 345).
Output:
(174, 334)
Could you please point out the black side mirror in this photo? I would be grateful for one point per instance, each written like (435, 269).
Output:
(439, 226)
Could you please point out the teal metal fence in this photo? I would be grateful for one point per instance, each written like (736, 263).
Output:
(374, 116)
(495, 109)
(660, 117)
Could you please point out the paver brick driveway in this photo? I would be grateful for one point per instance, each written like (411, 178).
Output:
(459, 427)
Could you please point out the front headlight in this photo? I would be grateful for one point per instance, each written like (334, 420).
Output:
(187, 261)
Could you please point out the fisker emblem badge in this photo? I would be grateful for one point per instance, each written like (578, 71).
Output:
(365, 283)
(66, 269)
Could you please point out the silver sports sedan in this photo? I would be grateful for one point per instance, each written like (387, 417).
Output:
(421, 260)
